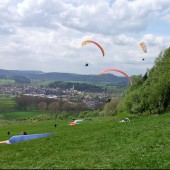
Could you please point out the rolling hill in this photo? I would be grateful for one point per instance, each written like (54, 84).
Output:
(56, 76)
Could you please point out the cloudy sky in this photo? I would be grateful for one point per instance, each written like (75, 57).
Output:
(46, 35)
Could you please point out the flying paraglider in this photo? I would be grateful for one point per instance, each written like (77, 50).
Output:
(20, 138)
(143, 47)
(90, 41)
(117, 70)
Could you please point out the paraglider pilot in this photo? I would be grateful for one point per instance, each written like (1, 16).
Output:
(86, 64)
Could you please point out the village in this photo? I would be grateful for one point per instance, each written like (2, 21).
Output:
(73, 96)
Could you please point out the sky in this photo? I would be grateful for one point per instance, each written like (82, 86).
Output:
(47, 35)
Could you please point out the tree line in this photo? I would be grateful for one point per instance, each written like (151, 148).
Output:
(54, 106)
(78, 86)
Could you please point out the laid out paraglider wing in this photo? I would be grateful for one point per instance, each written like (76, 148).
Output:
(117, 70)
(20, 138)
(143, 47)
(78, 121)
(90, 41)
(72, 124)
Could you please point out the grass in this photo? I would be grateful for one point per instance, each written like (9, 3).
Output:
(19, 115)
(6, 81)
(102, 143)
(7, 102)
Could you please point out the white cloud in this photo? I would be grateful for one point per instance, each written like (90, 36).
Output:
(166, 18)
(47, 35)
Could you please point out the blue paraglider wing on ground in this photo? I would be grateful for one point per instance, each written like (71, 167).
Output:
(19, 138)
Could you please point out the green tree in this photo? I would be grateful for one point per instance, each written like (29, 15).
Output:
(150, 93)
(111, 108)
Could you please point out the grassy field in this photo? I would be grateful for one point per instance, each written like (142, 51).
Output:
(20, 115)
(6, 81)
(7, 103)
(143, 143)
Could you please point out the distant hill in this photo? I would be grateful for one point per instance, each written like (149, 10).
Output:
(55, 76)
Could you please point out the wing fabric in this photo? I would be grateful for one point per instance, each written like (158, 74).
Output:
(90, 41)
(117, 70)
(19, 138)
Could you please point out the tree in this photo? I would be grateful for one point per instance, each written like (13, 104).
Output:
(150, 93)
(111, 108)
(21, 79)
(54, 106)
(23, 102)
(42, 106)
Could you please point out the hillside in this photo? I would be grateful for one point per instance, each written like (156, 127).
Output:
(55, 76)
(102, 143)
(150, 93)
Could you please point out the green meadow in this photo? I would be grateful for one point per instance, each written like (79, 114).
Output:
(7, 103)
(20, 115)
(102, 143)
(6, 81)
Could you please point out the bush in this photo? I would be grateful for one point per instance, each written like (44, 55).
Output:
(63, 115)
(112, 107)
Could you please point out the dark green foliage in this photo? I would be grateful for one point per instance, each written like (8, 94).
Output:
(54, 76)
(151, 93)
(77, 86)
(89, 114)
(63, 115)
(145, 76)
(21, 79)
(112, 107)
(25, 102)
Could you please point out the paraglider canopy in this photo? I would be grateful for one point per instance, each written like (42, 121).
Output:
(117, 70)
(98, 45)
(143, 46)
(78, 121)
(72, 124)
(20, 138)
